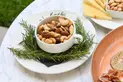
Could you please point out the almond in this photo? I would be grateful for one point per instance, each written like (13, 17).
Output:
(46, 34)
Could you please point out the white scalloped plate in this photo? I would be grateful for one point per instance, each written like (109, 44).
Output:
(59, 68)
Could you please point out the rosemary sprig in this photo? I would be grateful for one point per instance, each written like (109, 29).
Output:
(32, 51)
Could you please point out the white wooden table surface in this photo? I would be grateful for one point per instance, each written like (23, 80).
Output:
(12, 71)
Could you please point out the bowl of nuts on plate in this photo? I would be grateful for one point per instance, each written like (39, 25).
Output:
(56, 34)
(115, 8)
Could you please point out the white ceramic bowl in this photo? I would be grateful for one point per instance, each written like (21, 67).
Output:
(114, 14)
(61, 47)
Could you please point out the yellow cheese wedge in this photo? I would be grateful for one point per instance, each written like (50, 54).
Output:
(94, 13)
(100, 3)
(94, 4)
(104, 1)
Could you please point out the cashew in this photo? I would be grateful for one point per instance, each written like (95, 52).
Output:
(113, 4)
(71, 29)
(46, 27)
(63, 21)
(40, 28)
(43, 39)
(63, 38)
(49, 41)
(39, 36)
(111, 1)
(53, 40)
(69, 36)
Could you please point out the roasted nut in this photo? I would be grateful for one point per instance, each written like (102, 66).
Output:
(66, 33)
(53, 22)
(113, 4)
(57, 39)
(119, 9)
(53, 40)
(50, 25)
(39, 36)
(46, 34)
(69, 36)
(71, 29)
(120, 5)
(58, 30)
(117, 1)
(54, 34)
(49, 41)
(111, 1)
(115, 8)
(43, 39)
(46, 27)
(40, 28)
(63, 21)
(63, 38)
(70, 23)
(58, 25)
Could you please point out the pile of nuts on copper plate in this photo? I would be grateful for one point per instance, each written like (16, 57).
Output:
(56, 31)
(116, 5)
(111, 76)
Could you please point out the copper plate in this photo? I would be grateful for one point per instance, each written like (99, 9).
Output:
(111, 44)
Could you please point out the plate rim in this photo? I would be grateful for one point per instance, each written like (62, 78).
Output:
(103, 25)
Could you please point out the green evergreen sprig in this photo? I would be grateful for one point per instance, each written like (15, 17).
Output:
(32, 51)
